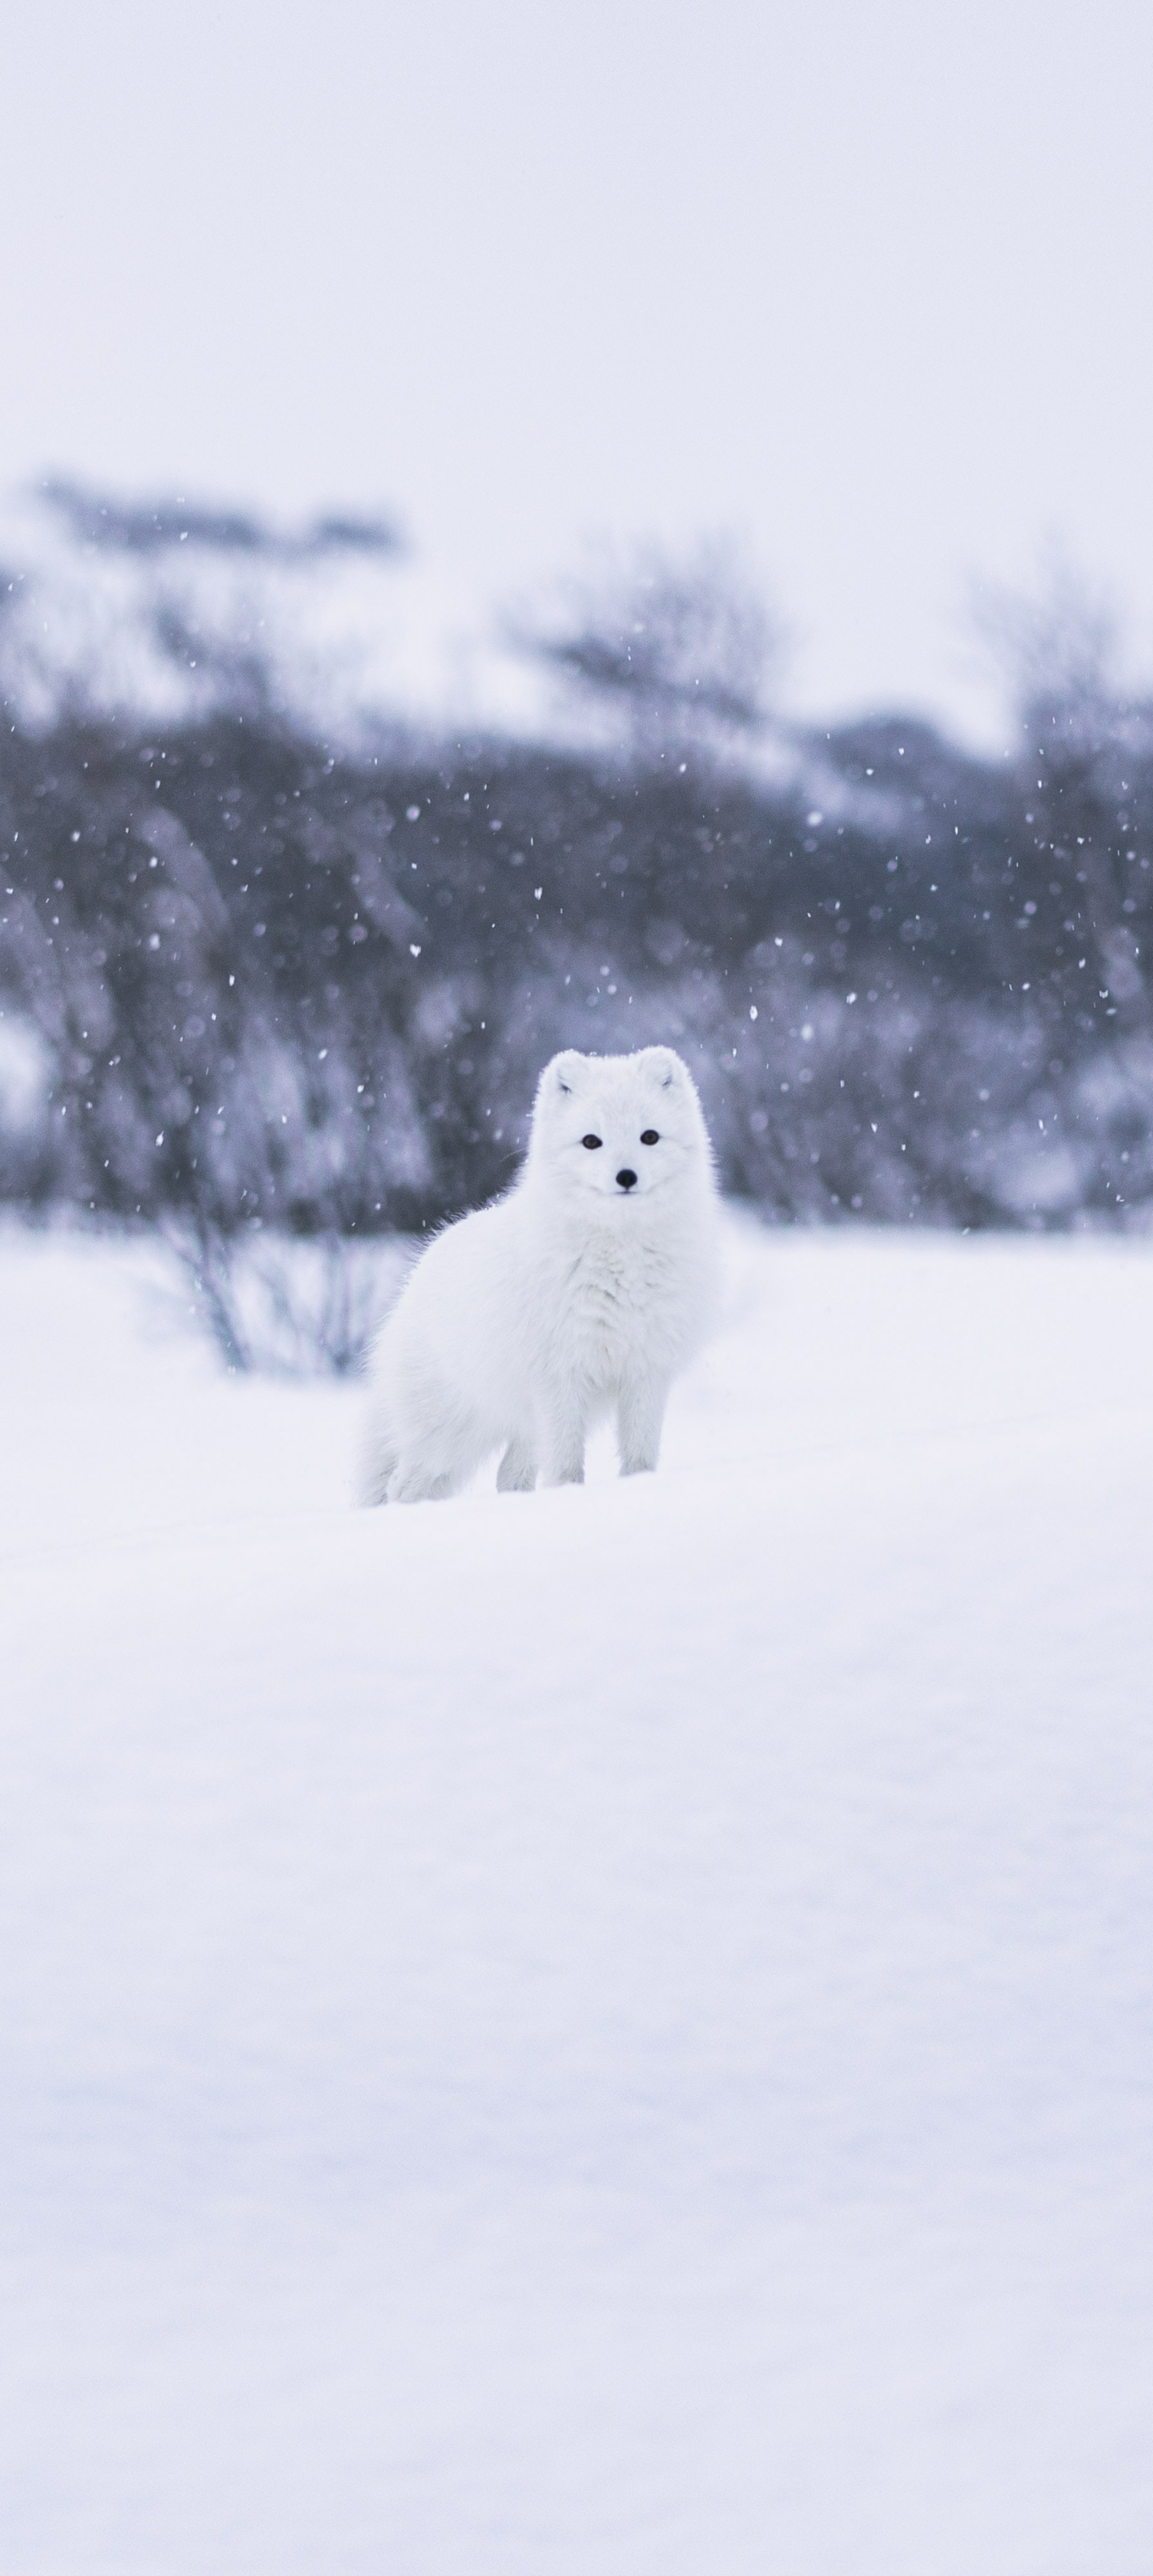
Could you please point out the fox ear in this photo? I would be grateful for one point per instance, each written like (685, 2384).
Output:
(562, 1074)
(665, 1064)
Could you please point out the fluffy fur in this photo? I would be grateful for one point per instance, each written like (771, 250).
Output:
(580, 1294)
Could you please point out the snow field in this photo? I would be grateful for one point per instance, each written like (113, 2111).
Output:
(599, 2031)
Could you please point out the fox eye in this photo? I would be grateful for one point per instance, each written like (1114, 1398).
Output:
(650, 1137)
(592, 1142)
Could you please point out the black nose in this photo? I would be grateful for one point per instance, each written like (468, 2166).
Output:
(626, 1180)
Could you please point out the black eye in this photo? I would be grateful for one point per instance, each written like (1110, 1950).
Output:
(650, 1137)
(592, 1142)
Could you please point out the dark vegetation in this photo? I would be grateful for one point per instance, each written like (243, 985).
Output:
(246, 976)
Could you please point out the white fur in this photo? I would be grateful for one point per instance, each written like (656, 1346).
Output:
(570, 1299)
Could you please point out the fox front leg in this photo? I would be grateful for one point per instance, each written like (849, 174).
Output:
(640, 1416)
(516, 1473)
(561, 1438)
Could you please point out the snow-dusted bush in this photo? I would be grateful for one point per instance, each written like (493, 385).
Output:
(252, 977)
(286, 1305)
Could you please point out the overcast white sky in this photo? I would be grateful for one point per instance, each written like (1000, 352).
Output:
(864, 281)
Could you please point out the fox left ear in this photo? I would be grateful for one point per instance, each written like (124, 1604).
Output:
(666, 1064)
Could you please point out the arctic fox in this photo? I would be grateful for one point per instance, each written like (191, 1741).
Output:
(579, 1294)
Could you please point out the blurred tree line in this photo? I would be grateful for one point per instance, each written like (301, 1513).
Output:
(249, 976)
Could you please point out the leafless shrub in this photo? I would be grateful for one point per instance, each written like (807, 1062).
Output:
(1057, 649)
(285, 1306)
(671, 645)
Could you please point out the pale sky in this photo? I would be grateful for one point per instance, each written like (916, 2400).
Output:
(866, 283)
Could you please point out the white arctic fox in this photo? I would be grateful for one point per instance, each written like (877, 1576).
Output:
(579, 1294)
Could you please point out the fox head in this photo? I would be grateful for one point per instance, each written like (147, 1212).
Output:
(619, 1129)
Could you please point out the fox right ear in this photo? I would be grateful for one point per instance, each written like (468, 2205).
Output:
(563, 1070)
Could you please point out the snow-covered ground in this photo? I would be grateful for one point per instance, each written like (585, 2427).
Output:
(607, 2031)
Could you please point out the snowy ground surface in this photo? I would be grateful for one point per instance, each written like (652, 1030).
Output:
(603, 2032)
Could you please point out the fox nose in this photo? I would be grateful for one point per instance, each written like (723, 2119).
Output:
(626, 1180)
